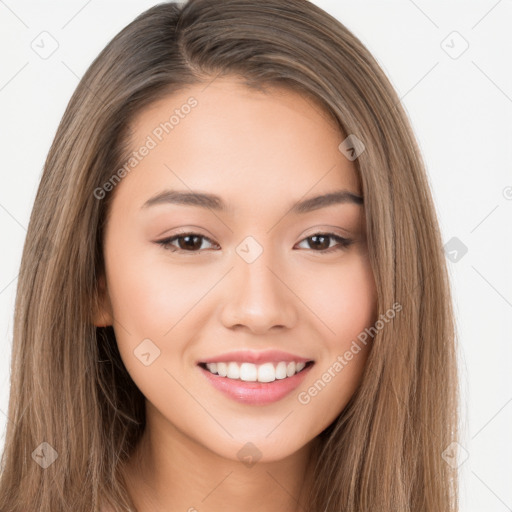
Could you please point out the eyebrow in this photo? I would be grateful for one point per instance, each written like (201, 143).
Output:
(214, 202)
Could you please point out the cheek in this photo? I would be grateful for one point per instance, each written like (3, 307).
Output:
(149, 297)
(345, 301)
(153, 306)
(342, 298)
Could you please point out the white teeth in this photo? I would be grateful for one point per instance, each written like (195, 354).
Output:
(281, 370)
(222, 369)
(300, 366)
(250, 372)
(266, 373)
(233, 371)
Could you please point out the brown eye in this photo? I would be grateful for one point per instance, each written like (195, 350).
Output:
(187, 242)
(192, 242)
(321, 242)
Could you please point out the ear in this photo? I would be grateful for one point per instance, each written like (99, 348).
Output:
(102, 315)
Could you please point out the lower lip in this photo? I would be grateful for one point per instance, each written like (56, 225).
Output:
(256, 393)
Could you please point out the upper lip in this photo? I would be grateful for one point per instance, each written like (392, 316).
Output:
(255, 357)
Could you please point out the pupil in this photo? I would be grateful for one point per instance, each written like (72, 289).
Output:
(322, 246)
(187, 244)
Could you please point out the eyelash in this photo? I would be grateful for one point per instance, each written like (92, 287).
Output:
(343, 243)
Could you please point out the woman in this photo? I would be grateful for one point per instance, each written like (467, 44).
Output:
(233, 293)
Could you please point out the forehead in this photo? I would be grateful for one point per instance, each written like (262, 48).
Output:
(228, 94)
(240, 143)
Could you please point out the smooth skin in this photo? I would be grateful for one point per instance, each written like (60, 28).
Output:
(261, 153)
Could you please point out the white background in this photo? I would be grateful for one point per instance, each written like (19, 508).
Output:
(461, 111)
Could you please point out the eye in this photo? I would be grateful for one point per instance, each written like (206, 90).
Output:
(192, 242)
(187, 242)
(322, 241)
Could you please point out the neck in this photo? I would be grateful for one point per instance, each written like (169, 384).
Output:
(175, 473)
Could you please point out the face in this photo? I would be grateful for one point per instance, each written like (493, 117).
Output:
(247, 279)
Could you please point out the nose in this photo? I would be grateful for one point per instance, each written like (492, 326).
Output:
(258, 297)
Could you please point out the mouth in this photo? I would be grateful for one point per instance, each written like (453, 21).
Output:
(256, 384)
(250, 372)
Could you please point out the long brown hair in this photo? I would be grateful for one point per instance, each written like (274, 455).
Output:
(75, 415)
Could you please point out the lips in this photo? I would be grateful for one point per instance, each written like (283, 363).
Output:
(256, 393)
(252, 386)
